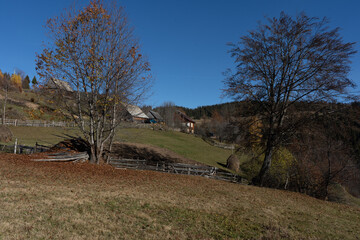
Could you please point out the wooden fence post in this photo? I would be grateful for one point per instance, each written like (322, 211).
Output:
(15, 146)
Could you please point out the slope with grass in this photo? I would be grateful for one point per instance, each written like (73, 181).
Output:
(31, 105)
(189, 146)
(186, 145)
(84, 201)
(42, 135)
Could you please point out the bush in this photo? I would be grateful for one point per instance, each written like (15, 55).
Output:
(278, 175)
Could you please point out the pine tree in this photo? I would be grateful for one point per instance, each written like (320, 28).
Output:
(34, 82)
(26, 82)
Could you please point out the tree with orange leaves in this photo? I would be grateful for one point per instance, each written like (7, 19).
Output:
(95, 51)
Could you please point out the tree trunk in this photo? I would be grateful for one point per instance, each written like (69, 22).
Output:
(258, 180)
(95, 154)
(328, 174)
(4, 110)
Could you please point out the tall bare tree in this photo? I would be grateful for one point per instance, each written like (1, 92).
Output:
(283, 62)
(167, 111)
(94, 50)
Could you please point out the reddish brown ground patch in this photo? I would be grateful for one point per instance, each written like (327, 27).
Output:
(12, 165)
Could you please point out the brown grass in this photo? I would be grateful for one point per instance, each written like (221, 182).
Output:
(82, 201)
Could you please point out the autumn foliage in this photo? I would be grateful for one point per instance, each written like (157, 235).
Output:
(16, 81)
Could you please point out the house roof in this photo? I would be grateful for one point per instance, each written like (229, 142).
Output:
(155, 115)
(56, 83)
(135, 111)
(185, 117)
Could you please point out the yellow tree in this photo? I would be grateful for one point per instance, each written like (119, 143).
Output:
(16, 81)
(95, 51)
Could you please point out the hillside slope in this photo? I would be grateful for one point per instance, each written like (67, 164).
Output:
(186, 145)
(30, 105)
(83, 201)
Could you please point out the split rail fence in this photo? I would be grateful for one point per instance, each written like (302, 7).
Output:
(176, 168)
(22, 149)
(37, 123)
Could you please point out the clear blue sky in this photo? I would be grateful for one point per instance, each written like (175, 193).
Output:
(185, 40)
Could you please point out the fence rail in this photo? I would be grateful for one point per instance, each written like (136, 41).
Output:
(176, 168)
(37, 123)
(22, 149)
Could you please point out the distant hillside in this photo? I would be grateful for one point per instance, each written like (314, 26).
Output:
(208, 111)
(249, 108)
(30, 104)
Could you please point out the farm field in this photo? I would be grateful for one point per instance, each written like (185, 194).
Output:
(185, 145)
(83, 201)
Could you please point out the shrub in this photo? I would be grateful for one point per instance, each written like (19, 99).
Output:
(278, 174)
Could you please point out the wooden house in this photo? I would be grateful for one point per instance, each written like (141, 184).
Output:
(155, 117)
(187, 124)
(135, 114)
(58, 85)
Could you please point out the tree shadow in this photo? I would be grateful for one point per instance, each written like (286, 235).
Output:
(222, 164)
(71, 142)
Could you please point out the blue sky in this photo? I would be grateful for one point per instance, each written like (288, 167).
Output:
(184, 40)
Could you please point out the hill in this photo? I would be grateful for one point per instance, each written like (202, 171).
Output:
(83, 201)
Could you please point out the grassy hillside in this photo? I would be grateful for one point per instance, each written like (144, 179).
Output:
(83, 201)
(42, 135)
(30, 105)
(186, 145)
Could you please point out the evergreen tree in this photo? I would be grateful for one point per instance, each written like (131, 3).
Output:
(26, 82)
(34, 82)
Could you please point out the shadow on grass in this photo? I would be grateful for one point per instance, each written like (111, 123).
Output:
(222, 164)
(73, 143)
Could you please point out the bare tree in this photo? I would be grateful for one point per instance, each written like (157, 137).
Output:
(167, 111)
(283, 62)
(94, 50)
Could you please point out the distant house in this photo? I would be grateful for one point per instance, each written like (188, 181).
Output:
(155, 117)
(135, 114)
(58, 84)
(187, 124)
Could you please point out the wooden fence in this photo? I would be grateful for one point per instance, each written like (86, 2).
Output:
(176, 168)
(37, 123)
(22, 149)
(219, 144)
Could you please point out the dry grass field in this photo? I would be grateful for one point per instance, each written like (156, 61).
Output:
(82, 201)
